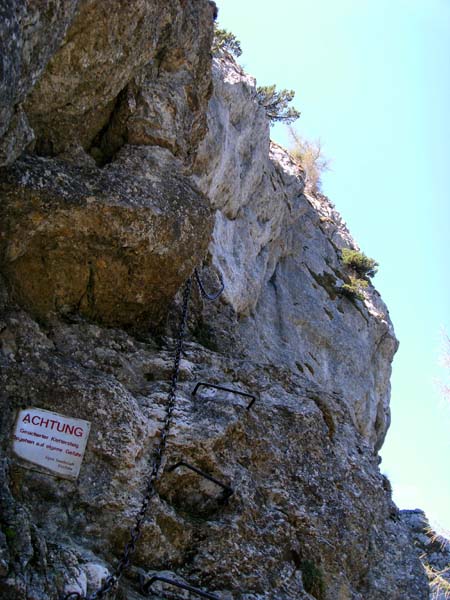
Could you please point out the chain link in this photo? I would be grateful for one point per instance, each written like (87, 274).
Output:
(112, 580)
(207, 296)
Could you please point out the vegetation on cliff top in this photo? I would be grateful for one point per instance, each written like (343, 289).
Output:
(225, 41)
(275, 102)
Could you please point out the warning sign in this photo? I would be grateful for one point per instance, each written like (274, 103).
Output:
(50, 440)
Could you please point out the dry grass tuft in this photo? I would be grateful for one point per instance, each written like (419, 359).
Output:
(309, 154)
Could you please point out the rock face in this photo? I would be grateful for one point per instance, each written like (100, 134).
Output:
(137, 174)
(279, 252)
(433, 550)
(112, 244)
(30, 33)
(115, 243)
(308, 495)
(105, 48)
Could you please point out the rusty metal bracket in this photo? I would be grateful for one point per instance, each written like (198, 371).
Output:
(204, 293)
(228, 491)
(225, 389)
(145, 586)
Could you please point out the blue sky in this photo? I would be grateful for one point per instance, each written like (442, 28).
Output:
(372, 81)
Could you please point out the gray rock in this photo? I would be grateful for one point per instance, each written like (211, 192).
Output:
(165, 104)
(103, 51)
(101, 237)
(432, 549)
(308, 496)
(18, 136)
(278, 250)
(30, 33)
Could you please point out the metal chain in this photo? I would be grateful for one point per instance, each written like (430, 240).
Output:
(112, 580)
(202, 290)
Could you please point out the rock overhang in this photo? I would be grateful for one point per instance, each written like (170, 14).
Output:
(109, 243)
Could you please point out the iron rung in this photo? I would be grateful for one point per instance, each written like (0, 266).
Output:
(145, 587)
(225, 389)
(228, 491)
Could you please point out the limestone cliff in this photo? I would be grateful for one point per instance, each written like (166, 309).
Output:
(130, 157)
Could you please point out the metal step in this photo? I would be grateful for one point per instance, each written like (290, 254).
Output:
(145, 587)
(227, 490)
(225, 389)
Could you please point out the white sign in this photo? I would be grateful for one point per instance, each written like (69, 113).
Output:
(50, 440)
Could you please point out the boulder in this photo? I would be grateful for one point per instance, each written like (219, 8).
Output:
(113, 244)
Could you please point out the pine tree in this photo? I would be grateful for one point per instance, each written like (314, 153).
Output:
(276, 103)
(225, 41)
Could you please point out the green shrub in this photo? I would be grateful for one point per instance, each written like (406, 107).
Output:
(276, 103)
(312, 578)
(225, 41)
(354, 289)
(362, 264)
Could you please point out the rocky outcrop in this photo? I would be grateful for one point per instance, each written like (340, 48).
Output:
(132, 72)
(30, 33)
(433, 550)
(135, 173)
(278, 249)
(307, 492)
(104, 51)
(112, 244)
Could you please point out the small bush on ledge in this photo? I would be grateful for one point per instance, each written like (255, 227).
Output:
(309, 154)
(225, 41)
(354, 289)
(362, 267)
(362, 264)
(276, 104)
